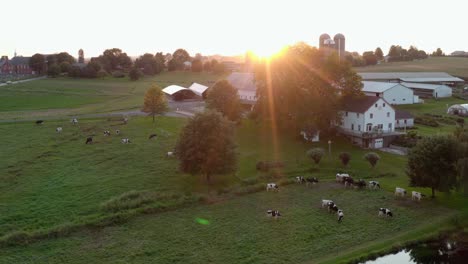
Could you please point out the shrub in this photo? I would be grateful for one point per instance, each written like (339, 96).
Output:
(316, 154)
(135, 74)
(345, 157)
(427, 121)
(372, 158)
(118, 74)
(101, 73)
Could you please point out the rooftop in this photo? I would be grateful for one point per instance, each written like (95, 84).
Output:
(377, 87)
(400, 114)
(172, 89)
(242, 81)
(198, 89)
(415, 76)
(423, 85)
(360, 104)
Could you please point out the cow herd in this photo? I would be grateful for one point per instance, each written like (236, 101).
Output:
(348, 181)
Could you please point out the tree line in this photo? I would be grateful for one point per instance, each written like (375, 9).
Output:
(395, 53)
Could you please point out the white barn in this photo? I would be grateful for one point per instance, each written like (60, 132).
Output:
(245, 84)
(429, 90)
(394, 93)
(369, 122)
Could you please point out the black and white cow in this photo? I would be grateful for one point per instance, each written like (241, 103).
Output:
(385, 212)
(326, 203)
(300, 179)
(340, 216)
(311, 180)
(340, 177)
(273, 213)
(125, 141)
(348, 181)
(152, 136)
(374, 185)
(89, 140)
(107, 133)
(272, 186)
(417, 196)
(332, 208)
(58, 129)
(400, 192)
(170, 154)
(360, 184)
(39, 122)
(74, 121)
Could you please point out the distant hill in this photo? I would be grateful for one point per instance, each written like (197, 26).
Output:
(453, 65)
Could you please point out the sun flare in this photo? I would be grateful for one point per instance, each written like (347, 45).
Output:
(266, 51)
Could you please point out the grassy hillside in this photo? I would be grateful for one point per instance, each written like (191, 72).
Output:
(452, 65)
(67, 96)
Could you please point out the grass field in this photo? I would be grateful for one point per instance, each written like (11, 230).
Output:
(67, 96)
(49, 180)
(452, 65)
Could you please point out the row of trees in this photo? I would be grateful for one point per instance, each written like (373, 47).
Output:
(316, 154)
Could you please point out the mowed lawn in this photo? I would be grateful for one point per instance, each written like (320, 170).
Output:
(50, 178)
(452, 65)
(238, 230)
(84, 96)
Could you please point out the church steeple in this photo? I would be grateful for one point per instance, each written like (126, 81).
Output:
(15, 53)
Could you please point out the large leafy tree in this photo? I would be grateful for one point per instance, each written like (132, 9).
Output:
(114, 59)
(148, 63)
(154, 102)
(223, 98)
(379, 53)
(301, 88)
(206, 145)
(178, 58)
(37, 63)
(370, 58)
(432, 163)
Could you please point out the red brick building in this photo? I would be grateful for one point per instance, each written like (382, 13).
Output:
(17, 65)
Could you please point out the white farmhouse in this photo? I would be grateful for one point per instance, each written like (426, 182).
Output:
(369, 122)
(245, 84)
(394, 93)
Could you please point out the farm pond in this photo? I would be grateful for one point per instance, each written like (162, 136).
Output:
(451, 248)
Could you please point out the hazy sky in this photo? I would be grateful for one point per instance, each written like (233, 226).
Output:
(227, 27)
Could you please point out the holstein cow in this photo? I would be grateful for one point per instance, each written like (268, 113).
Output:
(340, 177)
(360, 184)
(272, 186)
(39, 122)
(311, 180)
(58, 129)
(385, 212)
(332, 208)
(325, 203)
(74, 121)
(107, 133)
(170, 154)
(300, 179)
(400, 192)
(374, 185)
(340, 216)
(125, 141)
(273, 213)
(89, 140)
(417, 195)
(348, 181)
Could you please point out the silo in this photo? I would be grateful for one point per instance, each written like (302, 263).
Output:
(340, 45)
(324, 41)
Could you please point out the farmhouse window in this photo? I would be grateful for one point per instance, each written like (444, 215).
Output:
(405, 121)
(352, 126)
(371, 116)
(388, 114)
(375, 105)
(346, 114)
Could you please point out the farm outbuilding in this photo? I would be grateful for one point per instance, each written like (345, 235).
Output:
(178, 93)
(458, 109)
(425, 90)
(394, 93)
(414, 77)
(403, 119)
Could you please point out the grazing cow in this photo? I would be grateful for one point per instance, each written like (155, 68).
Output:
(125, 141)
(170, 154)
(89, 140)
(311, 180)
(58, 129)
(300, 179)
(107, 133)
(374, 185)
(385, 212)
(417, 196)
(39, 122)
(273, 213)
(360, 184)
(325, 203)
(340, 216)
(74, 121)
(117, 132)
(125, 120)
(348, 181)
(272, 186)
(400, 192)
(341, 177)
(152, 136)
(332, 207)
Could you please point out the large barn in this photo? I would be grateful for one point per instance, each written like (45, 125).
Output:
(426, 90)
(412, 77)
(394, 93)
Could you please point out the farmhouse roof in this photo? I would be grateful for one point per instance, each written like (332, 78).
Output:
(424, 85)
(242, 81)
(377, 87)
(400, 114)
(18, 60)
(413, 76)
(197, 88)
(360, 104)
(172, 89)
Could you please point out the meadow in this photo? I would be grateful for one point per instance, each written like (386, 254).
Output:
(452, 65)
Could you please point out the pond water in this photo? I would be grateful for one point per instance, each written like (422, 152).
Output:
(450, 249)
